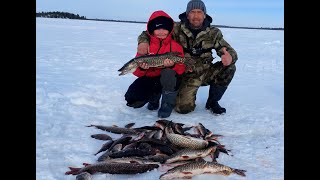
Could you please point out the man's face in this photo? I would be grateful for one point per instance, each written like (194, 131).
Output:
(196, 18)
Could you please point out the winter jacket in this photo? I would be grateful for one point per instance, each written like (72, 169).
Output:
(208, 38)
(161, 46)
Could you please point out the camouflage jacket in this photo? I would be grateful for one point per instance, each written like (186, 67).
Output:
(209, 38)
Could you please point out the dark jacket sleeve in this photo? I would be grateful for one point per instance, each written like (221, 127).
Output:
(176, 29)
(143, 37)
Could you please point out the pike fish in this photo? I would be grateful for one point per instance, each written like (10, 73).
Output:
(185, 141)
(151, 60)
(105, 147)
(115, 129)
(200, 167)
(113, 168)
(133, 152)
(114, 149)
(188, 154)
(133, 159)
(103, 137)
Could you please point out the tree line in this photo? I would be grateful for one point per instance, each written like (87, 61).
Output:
(57, 14)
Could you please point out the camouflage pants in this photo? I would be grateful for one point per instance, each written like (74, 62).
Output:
(203, 75)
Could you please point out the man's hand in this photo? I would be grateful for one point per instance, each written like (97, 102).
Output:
(143, 48)
(168, 63)
(226, 57)
(144, 65)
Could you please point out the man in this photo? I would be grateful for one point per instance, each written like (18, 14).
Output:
(198, 39)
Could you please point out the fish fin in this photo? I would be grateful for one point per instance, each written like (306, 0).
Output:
(98, 152)
(222, 149)
(73, 171)
(214, 155)
(217, 135)
(174, 53)
(164, 168)
(86, 164)
(224, 173)
(129, 125)
(186, 172)
(199, 159)
(213, 137)
(211, 143)
(239, 172)
(185, 157)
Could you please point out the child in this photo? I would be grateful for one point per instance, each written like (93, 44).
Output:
(153, 82)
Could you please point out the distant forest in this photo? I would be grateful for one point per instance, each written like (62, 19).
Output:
(57, 14)
(66, 15)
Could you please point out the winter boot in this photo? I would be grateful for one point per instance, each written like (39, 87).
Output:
(168, 82)
(168, 102)
(154, 101)
(136, 104)
(215, 94)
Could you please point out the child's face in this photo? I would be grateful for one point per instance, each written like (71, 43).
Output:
(161, 33)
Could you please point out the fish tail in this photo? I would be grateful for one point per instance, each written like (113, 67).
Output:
(86, 164)
(239, 172)
(73, 171)
(222, 149)
(212, 143)
(215, 155)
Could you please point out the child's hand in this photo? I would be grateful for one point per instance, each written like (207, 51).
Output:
(168, 63)
(143, 48)
(143, 65)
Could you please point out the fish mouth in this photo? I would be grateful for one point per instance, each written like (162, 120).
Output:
(123, 72)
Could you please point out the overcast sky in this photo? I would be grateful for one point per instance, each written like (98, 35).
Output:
(261, 13)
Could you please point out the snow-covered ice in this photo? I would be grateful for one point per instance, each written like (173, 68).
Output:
(77, 84)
